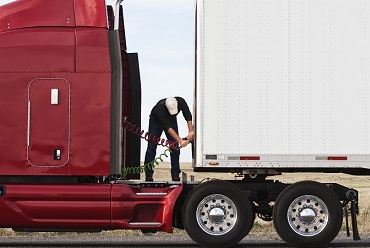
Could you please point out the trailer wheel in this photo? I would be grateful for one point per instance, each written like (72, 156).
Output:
(307, 214)
(217, 214)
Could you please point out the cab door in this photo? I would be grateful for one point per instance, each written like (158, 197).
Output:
(48, 122)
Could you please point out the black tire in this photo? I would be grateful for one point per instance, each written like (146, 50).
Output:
(307, 214)
(217, 214)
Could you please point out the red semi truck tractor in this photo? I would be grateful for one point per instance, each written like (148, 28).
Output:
(67, 84)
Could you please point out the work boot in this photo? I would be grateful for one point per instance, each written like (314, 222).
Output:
(176, 177)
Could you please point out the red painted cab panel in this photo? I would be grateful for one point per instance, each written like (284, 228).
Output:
(84, 206)
(37, 50)
(36, 13)
(62, 206)
(60, 48)
(94, 17)
(55, 124)
(91, 50)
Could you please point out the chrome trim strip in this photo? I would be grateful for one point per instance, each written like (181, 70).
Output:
(144, 224)
(152, 194)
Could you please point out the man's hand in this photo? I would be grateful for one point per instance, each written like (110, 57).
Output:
(184, 143)
(190, 136)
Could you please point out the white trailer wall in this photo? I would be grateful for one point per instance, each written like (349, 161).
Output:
(282, 77)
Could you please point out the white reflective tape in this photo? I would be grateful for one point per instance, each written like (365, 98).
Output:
(321, 158)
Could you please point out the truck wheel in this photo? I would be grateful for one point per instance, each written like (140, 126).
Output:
(217, 214)
(307, 214)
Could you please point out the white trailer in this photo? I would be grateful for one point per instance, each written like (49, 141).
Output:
(283, 85)
(280, 86)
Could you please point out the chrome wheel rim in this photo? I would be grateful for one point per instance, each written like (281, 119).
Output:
(308, 215)
(216, 214)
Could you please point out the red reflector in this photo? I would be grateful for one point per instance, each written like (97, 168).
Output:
(337, 158)
(249, 158)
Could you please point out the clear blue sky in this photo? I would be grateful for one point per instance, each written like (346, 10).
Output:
(162, 33)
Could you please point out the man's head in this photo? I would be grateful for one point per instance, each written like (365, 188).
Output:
(171, 104)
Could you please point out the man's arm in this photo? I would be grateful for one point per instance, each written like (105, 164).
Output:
(173, 133)
(191, 131)
(183, 106)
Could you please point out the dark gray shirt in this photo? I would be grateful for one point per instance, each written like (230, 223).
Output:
(160, 112)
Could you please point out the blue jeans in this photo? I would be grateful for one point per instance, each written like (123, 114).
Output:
(156, 128)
